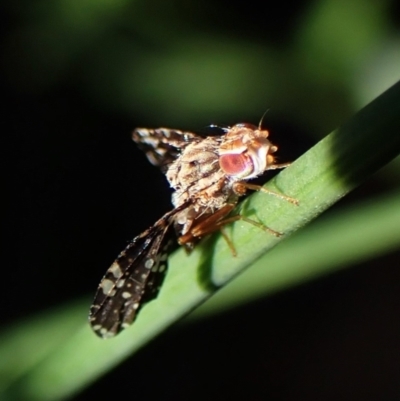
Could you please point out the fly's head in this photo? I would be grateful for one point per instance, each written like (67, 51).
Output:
(246, 152)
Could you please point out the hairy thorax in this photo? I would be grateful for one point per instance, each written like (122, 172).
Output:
(196, 176)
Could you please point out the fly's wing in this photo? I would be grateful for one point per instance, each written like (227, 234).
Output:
(163, 145)
(133, 278)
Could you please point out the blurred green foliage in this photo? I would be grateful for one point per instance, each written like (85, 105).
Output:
(173, 63)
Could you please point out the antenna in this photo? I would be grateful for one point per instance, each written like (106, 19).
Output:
(262, 118)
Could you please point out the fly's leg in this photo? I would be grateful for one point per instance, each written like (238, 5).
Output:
(215, 222)
(206, 225)
(241, 187)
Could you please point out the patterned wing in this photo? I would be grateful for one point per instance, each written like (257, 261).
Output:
(163, 145)
(133, 279)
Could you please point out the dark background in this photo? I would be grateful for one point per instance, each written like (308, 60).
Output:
(76, 188)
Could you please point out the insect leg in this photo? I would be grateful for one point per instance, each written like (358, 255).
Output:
(215, 222)
(240, 187)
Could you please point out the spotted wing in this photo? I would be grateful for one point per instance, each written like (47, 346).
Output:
(133, 278)
(163, 145)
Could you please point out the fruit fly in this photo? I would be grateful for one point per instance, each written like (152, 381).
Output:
(208, 175)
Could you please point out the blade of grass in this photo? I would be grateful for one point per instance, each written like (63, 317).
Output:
(22, 345)
(326, 245)
(319, 178)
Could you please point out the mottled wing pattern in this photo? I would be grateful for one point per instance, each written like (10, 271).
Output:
(163, 145)
(134, 278)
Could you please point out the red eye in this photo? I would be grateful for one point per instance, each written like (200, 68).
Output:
(235, 164)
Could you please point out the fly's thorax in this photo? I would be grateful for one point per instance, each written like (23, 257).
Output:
(245, 152)
(196, 168)
(208, 193)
